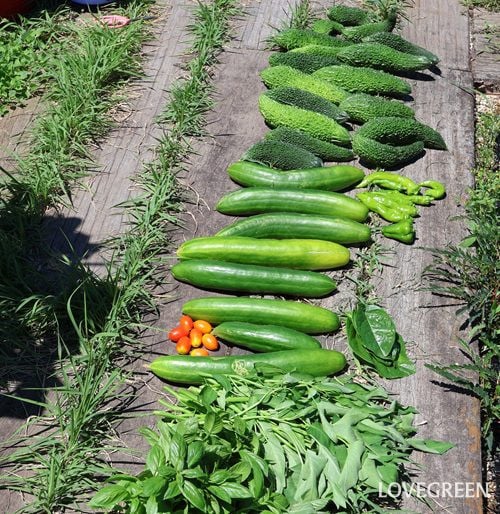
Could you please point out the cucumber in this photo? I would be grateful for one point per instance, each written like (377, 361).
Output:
(264, 338)
(299, 226)
(252, 279)
(257, 200)
(330, 178)
(303, 317)
(294, 38)
(185, 369)
(308, 254)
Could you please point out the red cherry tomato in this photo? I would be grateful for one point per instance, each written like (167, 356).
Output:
(183, 345)
(176, 333)
(186, 322)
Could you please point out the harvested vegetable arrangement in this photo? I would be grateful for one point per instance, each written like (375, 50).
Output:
(282, 444)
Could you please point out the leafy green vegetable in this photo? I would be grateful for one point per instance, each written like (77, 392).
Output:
(287, 444)
(374, 342)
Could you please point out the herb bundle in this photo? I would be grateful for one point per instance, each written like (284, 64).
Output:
(289, 444)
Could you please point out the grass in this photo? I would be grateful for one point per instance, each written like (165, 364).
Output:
(468, 272)
(490, 5)
(64, 466)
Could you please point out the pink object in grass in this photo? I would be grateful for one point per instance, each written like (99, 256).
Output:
(114, 21)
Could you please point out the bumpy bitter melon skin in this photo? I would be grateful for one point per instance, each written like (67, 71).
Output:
(329, 27)
(327, 151)
(397, 131)
(358, 32)
(313, 123)
(295, 38)
(285, 76)
(398, 43)
(327, 51)
(348, 16)
(375, 154)
(308, 101)
(364, 80)
(306, 63)
(361, 108)
(280, 155)
(382, 57)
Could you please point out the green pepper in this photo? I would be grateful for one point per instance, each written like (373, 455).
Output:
(435, 189)
(391, 205)
(401, 231)
(409, 199)
(388, 180)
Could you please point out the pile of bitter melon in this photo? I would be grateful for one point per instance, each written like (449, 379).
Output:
(345, 69)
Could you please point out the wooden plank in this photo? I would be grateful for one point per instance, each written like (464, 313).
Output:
(94, 218)
(485, 49)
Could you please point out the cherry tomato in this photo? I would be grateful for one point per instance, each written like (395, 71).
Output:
(203, 326)
(199, 352)
(183, 345)
(210, 342)
(176, 333)
(195, 335)
(186, 322)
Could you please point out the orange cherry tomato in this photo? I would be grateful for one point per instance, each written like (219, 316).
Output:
(210, 342)
(186, 322)
(203, 326)
(199, 352)
(195, 335)
(183, 345)
(176, 333)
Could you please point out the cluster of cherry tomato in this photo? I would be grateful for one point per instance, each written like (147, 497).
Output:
(193, 337)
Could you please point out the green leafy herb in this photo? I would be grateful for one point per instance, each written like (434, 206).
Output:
(289, 444)
(374, 342)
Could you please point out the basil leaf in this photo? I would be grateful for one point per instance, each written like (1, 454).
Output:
(108, 497)
(155, 459)
(193, 495)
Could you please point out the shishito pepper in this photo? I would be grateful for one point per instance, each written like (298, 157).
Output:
(435, 189)
(401, 231)
(388, 180)
(391, 205)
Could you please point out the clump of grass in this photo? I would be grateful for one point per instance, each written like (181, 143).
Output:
(300, 15)
(66, 465)
(469, 272)
(383, 9)
(490, 5)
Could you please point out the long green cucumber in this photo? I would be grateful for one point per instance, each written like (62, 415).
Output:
(299, 226)
(249, 278)
(304, 317)
(330, 178)
(185, 369)
(257, 200)
(308, 254)
(264, 338)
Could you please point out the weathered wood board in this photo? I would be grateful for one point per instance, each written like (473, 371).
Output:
(442, 101)
(486, 49)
